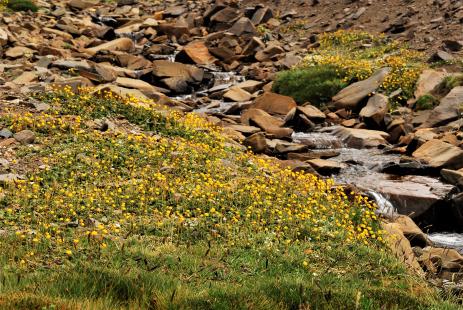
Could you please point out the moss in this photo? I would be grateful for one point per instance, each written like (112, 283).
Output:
(22, 5)
(316, 84)
(426, 102)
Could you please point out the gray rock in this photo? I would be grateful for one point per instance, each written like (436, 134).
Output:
(6, 133)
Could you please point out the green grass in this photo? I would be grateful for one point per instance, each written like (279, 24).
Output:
(426, 102)
(22, 5)
(315, 84)
(164, 213)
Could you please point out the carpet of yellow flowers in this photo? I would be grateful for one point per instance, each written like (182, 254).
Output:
(125, 204)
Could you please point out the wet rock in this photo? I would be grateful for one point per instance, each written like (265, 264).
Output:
(25, 137)
(314, 154)
(326, 167)
(121, 44)
(350, 96)
(274, 103)
(256, 142)
(448, 110)
(439, 154)
(375, 110)
(361, 138)
(428, 81)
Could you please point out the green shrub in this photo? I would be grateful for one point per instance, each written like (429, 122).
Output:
(315, 84)
(426, 102)
(22, 5)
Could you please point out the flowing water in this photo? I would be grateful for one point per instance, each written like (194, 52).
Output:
(363, 169)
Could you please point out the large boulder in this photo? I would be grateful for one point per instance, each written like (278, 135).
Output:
(439, 154)
(266, 122)
(448, 110)
(168, 69)
(375, 110)
(121, 44)
(360, 138)
(428, 81)
(274, 103)
(351, 96)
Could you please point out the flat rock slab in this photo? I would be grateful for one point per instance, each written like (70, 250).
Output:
(360, 138)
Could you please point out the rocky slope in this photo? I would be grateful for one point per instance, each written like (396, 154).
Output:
(219, 58)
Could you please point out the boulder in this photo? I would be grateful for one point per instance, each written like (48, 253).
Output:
(411, 231)
(146, 88)
(3, 37)
(266, 122)
(245, 129)
(274, 103)
(428, 81)
(448, 110)
(439, 154)
(243, 27)
(250, 85)
(313, 113)
(360, 138)
(165, 68)
(350, 96)
(326, 167)
(196, 52)
(121, 44)
(118, 91)
(400, 247)
(375, 110)
(237, 94)
(82, 4)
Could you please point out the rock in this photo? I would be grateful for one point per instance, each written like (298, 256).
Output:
(25, 78)
(243, 27)
(178, 84)
(245, 129)
(452, 45)
(262, 15)
(411, 231)
(164, 68)
(400, 247)
(256, 142)
(19, 51)
(121, 44)
(82, 4)
(297, 165)
(314, 154)
(440, 154)
(25, 136)
(126, 2)
(448, 110)
(196, 52)
(5, 133)
(274, 103)
(441, 56)
(237, 94)
(3, 37)
(350, 96)
(375, 110)
(441, 258)
(326, 167)
(173, 30)
(250, 85)
(146, 88)
(454, 177)
(10, 177)
(313, 113)
(428, 81)
(266, 122)
(360, 138)
(118, 91)
(287, 147)
(269, 53)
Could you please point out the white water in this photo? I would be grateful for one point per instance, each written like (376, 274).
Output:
(385, 207)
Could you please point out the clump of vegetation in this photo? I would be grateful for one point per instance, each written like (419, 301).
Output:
(163, 212)
(359, 54)
(447, 84)
(315, 84)
(426, 102)
(21, 5)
